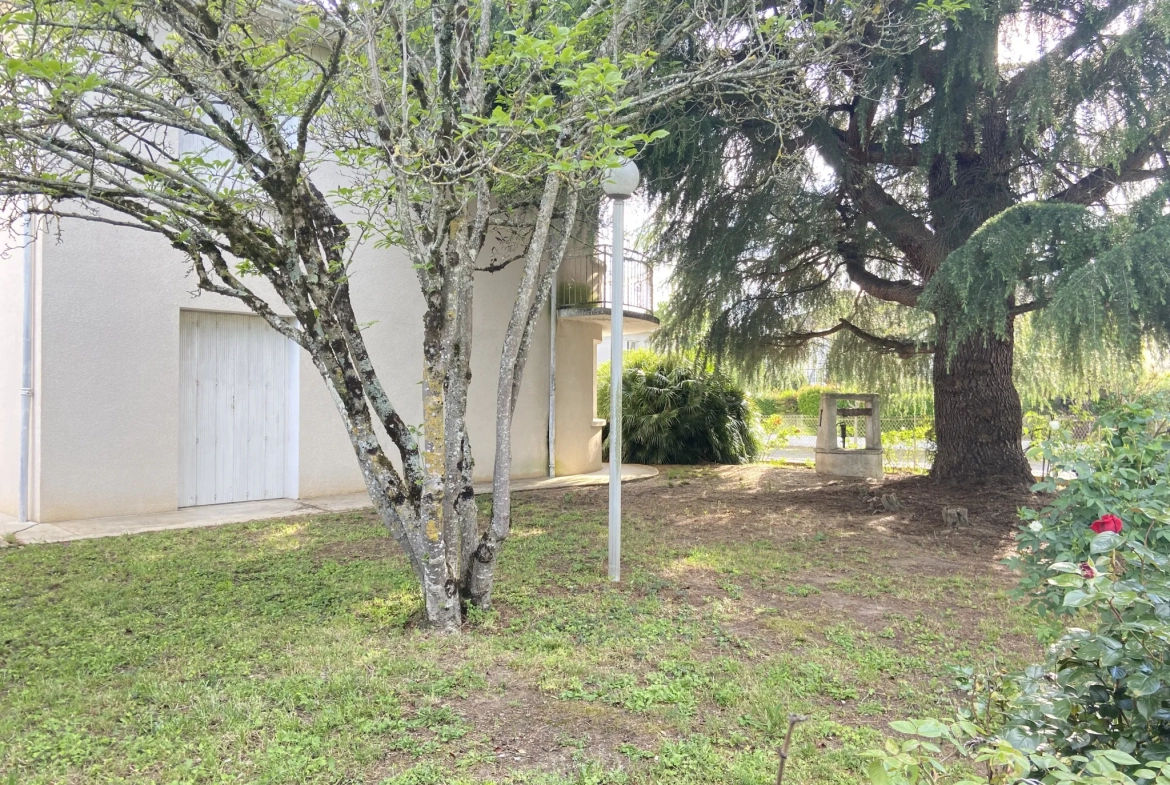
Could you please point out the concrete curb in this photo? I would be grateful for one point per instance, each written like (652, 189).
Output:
(31, 533)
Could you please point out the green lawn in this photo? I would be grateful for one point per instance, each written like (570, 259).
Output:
(287, 650)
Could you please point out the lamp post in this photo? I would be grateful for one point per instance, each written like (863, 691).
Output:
(619, 185)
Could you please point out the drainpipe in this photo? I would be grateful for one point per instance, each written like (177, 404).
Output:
(26, 364)
(552, 384)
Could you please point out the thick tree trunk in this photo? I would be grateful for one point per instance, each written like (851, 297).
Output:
(978, 420)
(439, 584)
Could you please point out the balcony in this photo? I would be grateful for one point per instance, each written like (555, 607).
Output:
(585, 290)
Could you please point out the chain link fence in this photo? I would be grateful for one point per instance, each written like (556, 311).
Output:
(907, 442)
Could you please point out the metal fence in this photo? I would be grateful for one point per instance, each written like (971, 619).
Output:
(585, 281)
(906, 445)
(906, 441)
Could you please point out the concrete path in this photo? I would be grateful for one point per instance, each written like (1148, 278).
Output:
(217, 514)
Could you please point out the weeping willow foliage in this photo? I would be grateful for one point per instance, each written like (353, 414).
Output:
(855, 362)
(1098, 285)
(1041, 375)
(926, 156)
(674, 411)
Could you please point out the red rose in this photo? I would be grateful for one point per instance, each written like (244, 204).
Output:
(1106, 523)
(1088, 570)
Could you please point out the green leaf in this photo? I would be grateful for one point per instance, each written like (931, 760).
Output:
(1067, 581)
(1022, 740)
(1142, 684)
(1105, 542)
(1119, 757)
(1147, 705)
(1077, 599)
(931, 729)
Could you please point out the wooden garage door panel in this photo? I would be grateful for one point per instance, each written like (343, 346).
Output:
(234, 407)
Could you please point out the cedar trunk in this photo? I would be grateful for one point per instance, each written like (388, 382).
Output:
(978, 420)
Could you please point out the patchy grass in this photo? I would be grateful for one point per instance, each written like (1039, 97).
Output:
(287, 650)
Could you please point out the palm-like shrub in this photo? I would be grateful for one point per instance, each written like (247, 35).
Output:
(673, 412)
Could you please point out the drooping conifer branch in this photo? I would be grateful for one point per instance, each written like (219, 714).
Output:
(920, 137)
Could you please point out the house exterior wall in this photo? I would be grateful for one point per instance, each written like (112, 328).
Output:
(578, 431)
(106, 428)
(11, 312)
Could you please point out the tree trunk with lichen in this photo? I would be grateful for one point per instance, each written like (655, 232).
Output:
(532, 297)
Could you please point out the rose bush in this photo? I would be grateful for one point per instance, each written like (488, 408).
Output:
(1097, 710)
(1114, 482)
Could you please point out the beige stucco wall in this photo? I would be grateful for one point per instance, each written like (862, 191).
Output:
(578, 432)
(106, 406)
(11, 309)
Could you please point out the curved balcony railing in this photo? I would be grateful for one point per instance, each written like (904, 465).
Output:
(585, 282)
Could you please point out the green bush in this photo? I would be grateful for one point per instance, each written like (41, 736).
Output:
(808, 399)
(914, 404)
(1121, 469)
(575, 293)
(675, 413)
(1098, 709)
(776, 402)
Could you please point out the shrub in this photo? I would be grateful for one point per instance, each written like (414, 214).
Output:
(675, 413)
(775, 432)
(1098, 709)
(914, 404)
(776, 402)
(1121, 470)
(808, 399)
(919, 434)
(575, 293)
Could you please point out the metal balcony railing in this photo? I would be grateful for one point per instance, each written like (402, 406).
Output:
(585, 282)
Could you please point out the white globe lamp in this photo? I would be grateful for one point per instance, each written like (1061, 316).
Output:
(621, 182)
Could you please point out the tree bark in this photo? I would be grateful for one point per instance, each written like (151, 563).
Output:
(978, 420)
(532, 294)
(440, 587)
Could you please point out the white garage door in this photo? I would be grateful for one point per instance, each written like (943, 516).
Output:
(237, 410)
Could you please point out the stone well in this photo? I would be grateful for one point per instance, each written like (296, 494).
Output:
(832, 457)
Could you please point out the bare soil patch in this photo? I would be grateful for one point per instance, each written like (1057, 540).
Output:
(719, 503)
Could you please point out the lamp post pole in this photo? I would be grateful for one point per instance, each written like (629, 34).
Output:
(615, 397)
(619, 185)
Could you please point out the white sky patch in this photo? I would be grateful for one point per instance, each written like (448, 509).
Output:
(1019, 42)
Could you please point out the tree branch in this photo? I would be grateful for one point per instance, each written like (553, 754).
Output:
(883, 344)
(902, 292)
(1088, 27)
(1097, 184)
(901, 227)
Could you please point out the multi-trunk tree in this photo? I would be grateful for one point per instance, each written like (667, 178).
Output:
(931, 151)
(213, 123)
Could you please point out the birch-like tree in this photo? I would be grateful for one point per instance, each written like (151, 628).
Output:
(210, 122)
